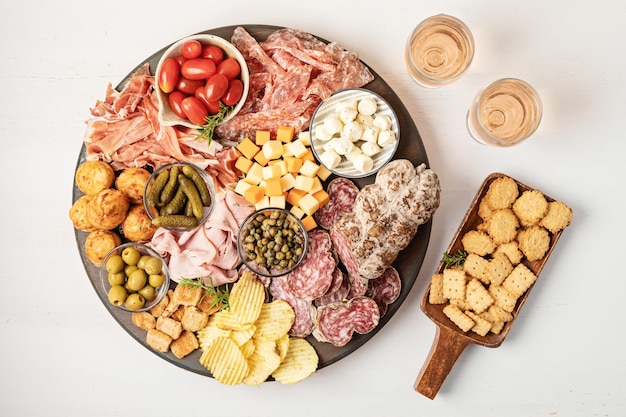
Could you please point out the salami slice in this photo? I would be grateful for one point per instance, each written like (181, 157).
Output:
(314, 276)
(304, 310)
(358, 285)
(337, 322)
(342, 192)
(339, 294)
(385, 289)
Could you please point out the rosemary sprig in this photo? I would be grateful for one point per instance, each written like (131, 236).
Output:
(212, 121)
(220, 295)
(456, 259)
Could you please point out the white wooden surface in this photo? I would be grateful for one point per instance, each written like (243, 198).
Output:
(62, 354)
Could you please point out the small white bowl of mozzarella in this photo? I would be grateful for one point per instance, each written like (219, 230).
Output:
(354, 133)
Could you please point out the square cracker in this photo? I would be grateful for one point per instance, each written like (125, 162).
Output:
(477, 296)
(474, 266)
(519, 280)
(462, 320)
(498, 268)
(435, 296)
(502, 298)
(453, 283)
(481, 326)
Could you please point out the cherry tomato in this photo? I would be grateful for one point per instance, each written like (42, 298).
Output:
(214, 107)
(169, 74)
(215, 87)
(233, 93)
(188, 86)
(175, 99)
(230, 68)
(181, 59)
(191, 49)
(201, 95)
(214, 53)
(198, 69)
(194, 110)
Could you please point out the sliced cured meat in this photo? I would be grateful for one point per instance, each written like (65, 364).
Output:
(358, 285)
(314, 276)
(337, 322)
(291, 73)
(304, 310)
(385, 289)
(340, 294)
(342, 192)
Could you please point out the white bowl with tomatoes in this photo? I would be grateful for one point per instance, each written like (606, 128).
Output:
(201, 81)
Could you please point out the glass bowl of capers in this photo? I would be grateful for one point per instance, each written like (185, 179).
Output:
(179, 196)
(134, 277)
(272, 242)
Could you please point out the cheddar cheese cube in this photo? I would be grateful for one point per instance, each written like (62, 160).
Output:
(293, 164)
(261, 136)
(247, 148)
(254, 194)
(309, 223)
(322, 197)
(273, 187)
(305, 137)
(243, 164)
(317, 186)
(308, 155)
(285, 133)
(261, 159)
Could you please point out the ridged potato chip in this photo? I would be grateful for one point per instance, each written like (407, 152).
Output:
(275, 320)
(226, 320)
(282, 343)
(263, 361)
(240, 337)
(246, 298)
(207, 335)
(226, 362)
(301, 361)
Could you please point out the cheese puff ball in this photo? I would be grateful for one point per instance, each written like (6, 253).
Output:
(108, 209)
(99, 243)
(137, 226)
(94, 176)
(78, 214)
(132, 182)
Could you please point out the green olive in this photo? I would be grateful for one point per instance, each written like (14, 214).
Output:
(153, 266)
(137, 280)
(115, 264)
(117, 278)
(131, 255)
(156, 280)
(129, 269)
(142, 261)
(135, 302)
(117, 295)
(148, 293)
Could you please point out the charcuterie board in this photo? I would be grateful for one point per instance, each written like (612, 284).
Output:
(408, 262)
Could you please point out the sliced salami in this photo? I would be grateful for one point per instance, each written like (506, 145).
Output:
(342, 192)
(358, 285)
(337, 322)
(385, 289)
(314, 276)
(304, 310)
(339, 294)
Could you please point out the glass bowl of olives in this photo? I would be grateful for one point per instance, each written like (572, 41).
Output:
(179, 196)
(272, 242)
(134, 277)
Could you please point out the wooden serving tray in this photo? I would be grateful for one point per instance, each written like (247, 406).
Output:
(450, 340)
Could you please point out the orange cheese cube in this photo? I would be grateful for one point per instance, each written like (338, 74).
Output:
(322, 197)
(254, 194)
(281, 164)
(273, 187)
(294, 196)
(309, 223)
(261, 159)
(261, 137)
(293, 164)
(248, 148)
(241, 187)
(285, 133)
(243, 164)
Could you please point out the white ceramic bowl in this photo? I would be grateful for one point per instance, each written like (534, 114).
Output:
(166, 116)
(331, 106)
